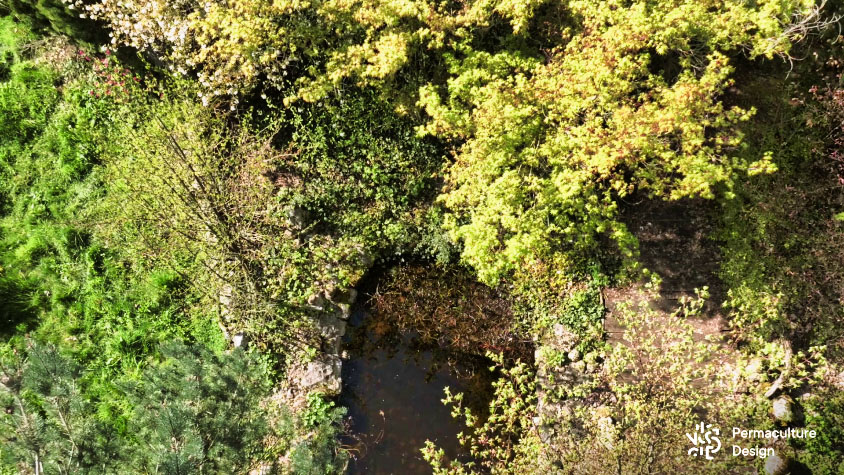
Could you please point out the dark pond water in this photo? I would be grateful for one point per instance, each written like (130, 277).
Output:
(393, 385)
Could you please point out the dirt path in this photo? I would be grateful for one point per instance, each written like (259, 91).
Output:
(674, 243)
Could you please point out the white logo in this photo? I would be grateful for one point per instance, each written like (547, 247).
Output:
(705, 443)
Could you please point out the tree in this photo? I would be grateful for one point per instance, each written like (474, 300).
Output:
(631, 103)
(195, 411)
(556, 112)
(205, 207)
(198, 412)
(53, 425)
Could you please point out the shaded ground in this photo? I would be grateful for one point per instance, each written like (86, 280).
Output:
(674, 243)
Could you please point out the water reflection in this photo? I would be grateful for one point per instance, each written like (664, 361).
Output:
(393, 385)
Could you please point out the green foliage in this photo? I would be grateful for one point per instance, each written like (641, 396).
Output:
(318, 453)
(263, 211)
(824, 414)
(55, 16)
(363, 171)
(781, 242)
(614, 98)
(26, 101)
(48, 419)
(619, 97)
(194, 411)
(506, 441)
(15, 307)
(583, 310)
(316, 45)
(198, 411)
(133, 213)
(220, 224)
(217, 222)
(12, 36)
(230, 45)
(59, 281)
(321, 411)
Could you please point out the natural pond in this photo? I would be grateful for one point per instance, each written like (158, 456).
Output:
(402, 352)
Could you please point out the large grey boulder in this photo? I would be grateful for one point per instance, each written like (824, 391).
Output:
(782, 410)
(776, 465)
(331, 327)
(322, 375)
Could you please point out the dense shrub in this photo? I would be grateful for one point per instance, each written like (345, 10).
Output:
(262, 212)
(199, 411)
(363, 171)
(194, 411)
(624, 98)
(781, 234)
(63, 285)
(56, 17)
(48, 420)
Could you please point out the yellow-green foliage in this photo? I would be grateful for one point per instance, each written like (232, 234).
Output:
(507, 440)
(554, 125)
(630, 103)
(664, 382)
(228, 44)
(657, 382)
(232, 45)
(204, 207)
